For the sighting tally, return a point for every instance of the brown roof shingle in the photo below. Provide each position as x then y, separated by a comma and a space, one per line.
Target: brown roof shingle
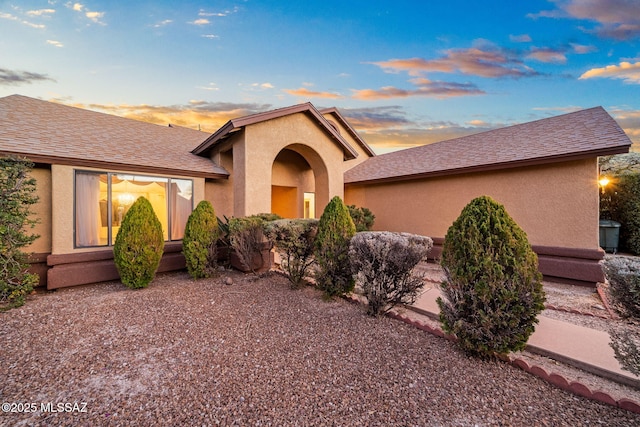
53, 133
582, 134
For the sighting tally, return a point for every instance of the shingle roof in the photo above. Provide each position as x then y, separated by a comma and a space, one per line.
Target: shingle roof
306, 108
582, 134
53, 133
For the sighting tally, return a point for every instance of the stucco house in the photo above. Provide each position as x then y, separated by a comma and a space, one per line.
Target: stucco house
90, 167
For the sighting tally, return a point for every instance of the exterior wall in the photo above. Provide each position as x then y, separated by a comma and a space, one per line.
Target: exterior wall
42, 211
220, 191
291, 177
556, 205
254, 156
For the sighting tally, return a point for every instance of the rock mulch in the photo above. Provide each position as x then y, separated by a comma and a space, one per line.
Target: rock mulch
185, 352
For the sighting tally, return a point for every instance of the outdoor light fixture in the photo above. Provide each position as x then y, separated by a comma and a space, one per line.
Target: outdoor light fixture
603, 182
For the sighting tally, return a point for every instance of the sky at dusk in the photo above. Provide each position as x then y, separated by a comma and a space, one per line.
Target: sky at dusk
404, 73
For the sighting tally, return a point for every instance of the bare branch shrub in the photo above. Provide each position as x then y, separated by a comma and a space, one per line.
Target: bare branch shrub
384, 263
626, 345
294, 241
623, 274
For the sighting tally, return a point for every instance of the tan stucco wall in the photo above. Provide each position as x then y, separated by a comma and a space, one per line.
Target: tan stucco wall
255, 152
41, 212
219, 192
556, 205
62, 215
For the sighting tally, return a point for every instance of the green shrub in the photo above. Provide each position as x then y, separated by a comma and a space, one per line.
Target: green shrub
624, 200
139, 245
493, 290
294, 241
363, 218
623, 274
335, 231
383, 263
199, 244
16, 198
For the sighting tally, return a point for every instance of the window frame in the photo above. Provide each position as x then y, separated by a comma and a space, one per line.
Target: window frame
110, 237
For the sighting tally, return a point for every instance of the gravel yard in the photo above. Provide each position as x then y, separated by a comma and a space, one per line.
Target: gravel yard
255, 353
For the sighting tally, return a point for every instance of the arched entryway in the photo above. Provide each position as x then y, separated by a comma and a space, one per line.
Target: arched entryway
299, 183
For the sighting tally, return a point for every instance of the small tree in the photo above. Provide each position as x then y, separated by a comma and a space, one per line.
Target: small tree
17, 190
363, 218
493, 290
294, 241
335, 230
383, 263
139, 245
199, 244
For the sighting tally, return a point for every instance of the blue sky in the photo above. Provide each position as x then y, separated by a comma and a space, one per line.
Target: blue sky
404, 73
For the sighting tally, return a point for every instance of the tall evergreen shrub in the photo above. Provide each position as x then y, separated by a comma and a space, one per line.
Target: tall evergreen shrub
17, 197
335, 231
139, 245
199, 243
493, 292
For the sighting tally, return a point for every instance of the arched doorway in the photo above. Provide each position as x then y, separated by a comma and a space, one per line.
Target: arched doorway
298, 182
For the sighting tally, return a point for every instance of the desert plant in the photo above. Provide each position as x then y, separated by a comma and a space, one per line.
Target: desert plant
335, 231
623, 275
294, 241
626, 346
383, 263
363, 218
139, 245
493, 290
17, 190
246, 236
199, 243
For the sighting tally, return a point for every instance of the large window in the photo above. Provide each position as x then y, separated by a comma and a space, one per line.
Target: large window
102, 200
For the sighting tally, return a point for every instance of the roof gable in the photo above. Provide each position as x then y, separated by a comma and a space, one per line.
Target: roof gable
582, 134
48, 132
307, 108
333, 111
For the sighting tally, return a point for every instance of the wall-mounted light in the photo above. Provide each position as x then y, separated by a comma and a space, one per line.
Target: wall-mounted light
603, 182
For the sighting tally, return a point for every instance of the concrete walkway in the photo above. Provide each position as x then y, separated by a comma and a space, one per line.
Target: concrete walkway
579, 346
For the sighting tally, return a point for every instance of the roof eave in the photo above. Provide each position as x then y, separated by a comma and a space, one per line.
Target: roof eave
350, 129
97, 164
496, 166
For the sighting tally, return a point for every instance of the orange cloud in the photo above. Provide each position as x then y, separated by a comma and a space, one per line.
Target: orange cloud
306, 93
207, 116
626, 71
629, 121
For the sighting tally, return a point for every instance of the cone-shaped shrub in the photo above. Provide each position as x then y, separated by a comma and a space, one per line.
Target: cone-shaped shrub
139, 245
335, 231
199, 242
493, 290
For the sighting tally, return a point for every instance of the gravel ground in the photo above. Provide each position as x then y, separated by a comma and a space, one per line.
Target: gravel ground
255, 353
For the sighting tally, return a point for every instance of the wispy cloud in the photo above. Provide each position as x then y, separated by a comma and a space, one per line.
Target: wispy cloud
162, 23
626, 71
489, 62
210, 36
425, 87
629, 121
208, 116
200, 21
203, 12
306, 93
41, 12
11, 17
522, 38
617, 19
15, 78
582, 49
548, 54
93, 16
55, 43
